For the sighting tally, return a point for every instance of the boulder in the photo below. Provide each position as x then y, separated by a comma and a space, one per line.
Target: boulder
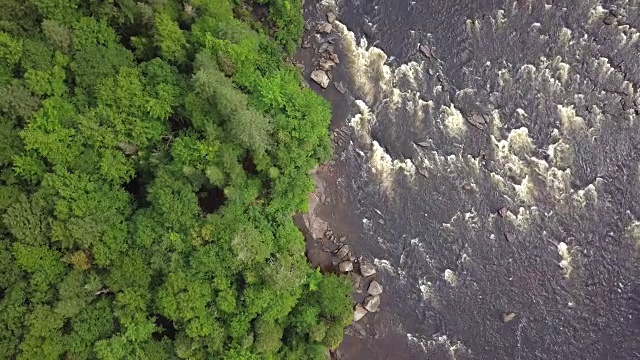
343, 252
367, 269
321, 78
508, 316
340, 87
346, 266
326, 64
425, 50
477, 121
375, 288
324, 28
331, 17
503, 212
356, 281
372, 303
359, 312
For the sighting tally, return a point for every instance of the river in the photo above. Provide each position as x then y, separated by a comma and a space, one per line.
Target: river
535, 211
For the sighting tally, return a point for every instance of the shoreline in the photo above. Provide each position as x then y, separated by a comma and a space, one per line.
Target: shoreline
331, 220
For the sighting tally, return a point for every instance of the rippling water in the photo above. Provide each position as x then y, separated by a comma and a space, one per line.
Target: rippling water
558, 88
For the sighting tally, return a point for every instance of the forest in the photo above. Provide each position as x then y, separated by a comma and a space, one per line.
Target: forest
152, 154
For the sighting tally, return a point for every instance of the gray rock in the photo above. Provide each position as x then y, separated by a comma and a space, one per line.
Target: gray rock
343, 252
508, 316
326, 64
503, 212
334, 58
375, 288
367, 269
372, 303
323, 47
359, 312
324, 28
477, 121
346, 266
321, 78
356, 281
425, 50
331, 17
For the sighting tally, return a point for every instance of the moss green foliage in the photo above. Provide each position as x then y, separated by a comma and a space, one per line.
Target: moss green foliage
151, 156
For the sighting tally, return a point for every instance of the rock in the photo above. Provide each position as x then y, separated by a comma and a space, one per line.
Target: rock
375, 288
467, 186
346, 266
477, 120
503, 212
609, 19
321, 78
356, 281
324, 28
367, 269
359, 312
372, 303
507, 316
425, 50
326, 64
305, 45
323, 48
340, 87
343, 252
508, 236
334, 58
331, 17
431, 72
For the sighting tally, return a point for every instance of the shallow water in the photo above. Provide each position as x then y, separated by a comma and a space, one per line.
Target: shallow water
560, 151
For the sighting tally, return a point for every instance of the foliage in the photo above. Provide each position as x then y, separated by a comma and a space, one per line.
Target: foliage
151, 156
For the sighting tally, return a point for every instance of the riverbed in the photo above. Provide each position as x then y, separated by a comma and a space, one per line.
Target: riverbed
491, 168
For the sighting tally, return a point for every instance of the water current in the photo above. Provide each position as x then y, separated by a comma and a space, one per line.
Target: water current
553, 89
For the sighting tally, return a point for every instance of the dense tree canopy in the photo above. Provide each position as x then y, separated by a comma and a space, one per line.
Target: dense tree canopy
151, 156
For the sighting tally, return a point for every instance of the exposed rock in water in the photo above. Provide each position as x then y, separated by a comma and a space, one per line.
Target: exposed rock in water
326, 64
343, 252
477, 121
359, 312
346, 266
331, 17
372, 303
334, 57
321, 78
503, 212
326, 47
356, 281
367, 269
324, 28
507, 316
425, 50
375, 288
340, 87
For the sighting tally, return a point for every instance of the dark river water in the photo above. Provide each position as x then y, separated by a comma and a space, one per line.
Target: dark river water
556, 84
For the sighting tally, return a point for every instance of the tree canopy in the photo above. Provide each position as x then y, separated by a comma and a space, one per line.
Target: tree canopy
152, 154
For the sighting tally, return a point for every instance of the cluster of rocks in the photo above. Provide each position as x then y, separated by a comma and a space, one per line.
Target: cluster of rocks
327, 58
361, 273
